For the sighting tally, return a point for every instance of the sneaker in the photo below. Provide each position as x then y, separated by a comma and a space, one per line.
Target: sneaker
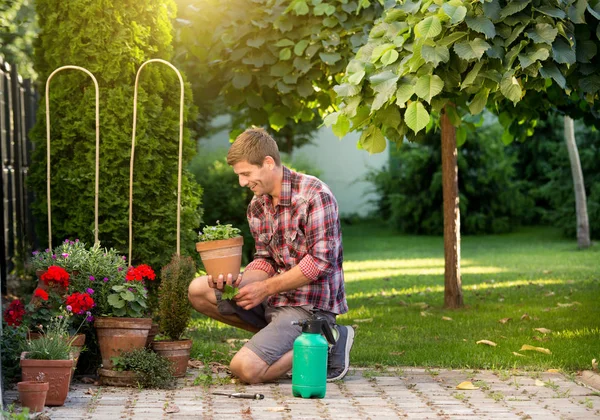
339, 354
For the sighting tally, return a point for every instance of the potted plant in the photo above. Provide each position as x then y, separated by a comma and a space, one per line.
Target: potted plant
142, 368
174, 311
220, 248
69, 255
50, 355
32, 394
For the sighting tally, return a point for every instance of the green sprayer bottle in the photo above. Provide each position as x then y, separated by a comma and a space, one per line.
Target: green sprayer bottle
309, 366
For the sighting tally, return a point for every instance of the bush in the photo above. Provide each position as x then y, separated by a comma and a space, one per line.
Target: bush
13, 341
174, 306
410, 189
111, 40
153, 370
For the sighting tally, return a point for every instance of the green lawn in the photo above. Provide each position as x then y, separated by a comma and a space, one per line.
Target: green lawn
395, 289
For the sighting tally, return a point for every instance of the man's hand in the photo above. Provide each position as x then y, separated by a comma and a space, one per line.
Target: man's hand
221, 281
252, 294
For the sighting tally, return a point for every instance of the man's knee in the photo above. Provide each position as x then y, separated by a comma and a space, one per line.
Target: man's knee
247, 366
199, 294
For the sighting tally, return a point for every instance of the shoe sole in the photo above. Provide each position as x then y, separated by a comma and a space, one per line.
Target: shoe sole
349, 342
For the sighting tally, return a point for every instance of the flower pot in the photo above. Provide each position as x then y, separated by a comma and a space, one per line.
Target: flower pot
32, 394
178, 352
221, 257
76, 347
56, 372
110, 377
154, 330
116, 335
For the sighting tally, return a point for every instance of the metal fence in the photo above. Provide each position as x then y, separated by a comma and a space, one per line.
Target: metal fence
18, 104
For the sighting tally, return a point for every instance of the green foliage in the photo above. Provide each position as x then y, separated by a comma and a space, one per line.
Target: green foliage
53, 344
218, 232
13, 342
174, 306
229, 292
70, 255
153, 370
18, 28
112, 39
128, 300
491, 199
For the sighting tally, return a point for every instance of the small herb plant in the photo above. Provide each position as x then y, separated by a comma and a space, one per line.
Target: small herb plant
173, 304
153, 371
218, 232
229, 292
54, 343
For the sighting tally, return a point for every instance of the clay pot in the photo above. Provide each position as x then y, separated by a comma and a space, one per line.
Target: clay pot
110, 377
32, 394
56, 372
178, 352
76, 346
116, 335
221, 257
151, 334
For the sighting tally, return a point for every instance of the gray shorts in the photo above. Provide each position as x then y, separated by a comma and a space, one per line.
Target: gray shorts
277, 334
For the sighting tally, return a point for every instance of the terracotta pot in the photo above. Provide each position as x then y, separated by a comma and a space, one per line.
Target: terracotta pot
76, 347
117, 378
116, 335
151, 334
221, 257
32, 394
178, 352
56, 372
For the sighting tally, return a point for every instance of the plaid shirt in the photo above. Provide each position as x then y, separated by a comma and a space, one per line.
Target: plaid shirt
303, 230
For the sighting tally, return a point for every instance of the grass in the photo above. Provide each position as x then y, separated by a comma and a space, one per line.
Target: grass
395, 291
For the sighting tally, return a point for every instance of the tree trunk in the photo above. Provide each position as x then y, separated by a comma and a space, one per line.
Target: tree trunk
453, 297
583, 226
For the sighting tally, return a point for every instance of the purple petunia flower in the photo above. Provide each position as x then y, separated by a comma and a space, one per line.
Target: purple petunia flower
76, 240
105, 279
120, 268
90, 291
89, 318
130, 289
92, 278
47, 249
53, 256
65, 255
35, 252
69, 308
124, 258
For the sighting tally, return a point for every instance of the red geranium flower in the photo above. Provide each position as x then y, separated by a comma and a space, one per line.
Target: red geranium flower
13, 315
139, 273
42, 294
56, 276
79, 302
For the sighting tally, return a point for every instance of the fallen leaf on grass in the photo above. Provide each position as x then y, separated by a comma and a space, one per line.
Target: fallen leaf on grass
247, 411
233, 342
537, 338
539, 383
553, 371
538, 349
399, 327
364, 320
279, 409
195, 364
425, 313
594, 365
171, 409
466, 385
446, 318
396, 353
90, 391
488, 342
421, 305
543, 330
567, 305
525, 316
504, 320
518, 354
549, 294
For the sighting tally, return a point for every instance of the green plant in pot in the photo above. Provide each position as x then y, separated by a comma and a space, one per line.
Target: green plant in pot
174, 311
220, 248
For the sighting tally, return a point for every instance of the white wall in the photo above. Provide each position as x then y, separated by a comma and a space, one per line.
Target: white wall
342, 165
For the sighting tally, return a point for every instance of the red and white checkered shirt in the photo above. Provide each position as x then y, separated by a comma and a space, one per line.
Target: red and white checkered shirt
303, 230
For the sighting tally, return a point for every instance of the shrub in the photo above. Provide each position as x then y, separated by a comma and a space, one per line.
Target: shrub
410, 188
174, 306
153, 370
112, 39
13, 341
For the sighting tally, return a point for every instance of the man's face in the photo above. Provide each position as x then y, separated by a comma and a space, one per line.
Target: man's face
257, 178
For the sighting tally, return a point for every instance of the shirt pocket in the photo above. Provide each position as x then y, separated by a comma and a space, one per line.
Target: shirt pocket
295, 244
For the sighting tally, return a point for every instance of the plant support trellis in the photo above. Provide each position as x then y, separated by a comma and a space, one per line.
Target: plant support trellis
179, 172
48, 150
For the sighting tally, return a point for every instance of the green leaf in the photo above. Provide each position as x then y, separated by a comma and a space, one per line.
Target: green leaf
300, 47
281, 69
576, 11
285, 54
416, 116
461, 135
552, 12
255, 42
241, 80
404, 93
562, 52
128, 296
429, 27
330, 58
454, 11
451, 39
513, 7
510, 87
372, 140
514, 35
491, 9
472, 75
428, 86
229, 292
479, 101
590, 84
331, 119
380, 50
550, 70
482, 25
389, 57
384, 84
594, 8
543, 33
305, 88
346, 89
586, 50
302, 64
341, 127
471, 50
453, 116
435, 54
356, 78
539, 54
507, 138
115, 301
301, 8
284, 43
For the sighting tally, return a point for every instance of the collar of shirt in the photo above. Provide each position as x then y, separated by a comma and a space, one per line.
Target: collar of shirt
285, 199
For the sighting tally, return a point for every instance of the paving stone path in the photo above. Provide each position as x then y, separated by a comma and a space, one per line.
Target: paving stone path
364, 394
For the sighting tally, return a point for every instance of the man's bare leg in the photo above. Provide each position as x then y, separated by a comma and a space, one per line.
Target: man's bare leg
203, 299
251, 369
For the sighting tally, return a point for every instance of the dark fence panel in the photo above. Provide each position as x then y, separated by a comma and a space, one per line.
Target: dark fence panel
18, 102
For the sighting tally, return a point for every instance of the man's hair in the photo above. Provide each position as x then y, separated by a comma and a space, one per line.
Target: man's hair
253, 146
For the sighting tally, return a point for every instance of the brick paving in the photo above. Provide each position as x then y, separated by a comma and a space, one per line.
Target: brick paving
364, 394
